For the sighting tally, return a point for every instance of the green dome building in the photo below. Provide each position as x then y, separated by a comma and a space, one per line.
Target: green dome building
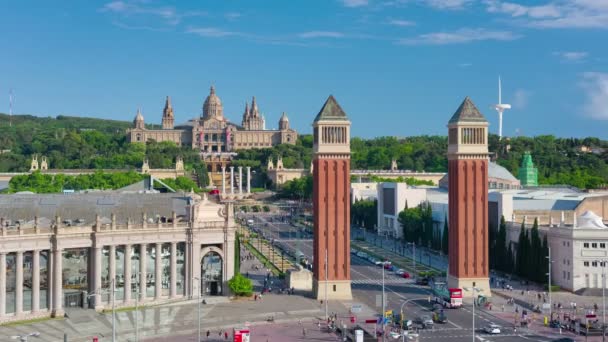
528, 174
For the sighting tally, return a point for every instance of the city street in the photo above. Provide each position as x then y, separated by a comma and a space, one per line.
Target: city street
367, 289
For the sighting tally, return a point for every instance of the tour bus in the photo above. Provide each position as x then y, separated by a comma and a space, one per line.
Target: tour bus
448, 297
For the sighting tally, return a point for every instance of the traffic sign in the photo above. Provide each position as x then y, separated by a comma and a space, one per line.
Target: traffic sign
355, 308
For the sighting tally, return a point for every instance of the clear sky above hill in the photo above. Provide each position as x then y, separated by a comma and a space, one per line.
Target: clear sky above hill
398, 67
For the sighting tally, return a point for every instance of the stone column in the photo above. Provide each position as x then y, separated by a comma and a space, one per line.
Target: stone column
173, 286
57, 287
232, 180
112, 270
142, 272
248, 179
35, 281
240, 180
2, 284
223, 180
158, 286
196, 268
127, 268
97, 277
19, 284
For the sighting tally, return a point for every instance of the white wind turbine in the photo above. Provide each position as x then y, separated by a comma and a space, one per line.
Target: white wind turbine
500, 108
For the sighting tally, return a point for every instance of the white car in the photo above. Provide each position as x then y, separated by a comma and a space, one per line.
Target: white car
400, 272
492, 329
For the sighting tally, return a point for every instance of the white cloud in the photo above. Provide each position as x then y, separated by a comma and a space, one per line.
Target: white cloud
520, 98
212, 32
463, 35
232, 15
555, 13
321, 34
465, 65
354, 3
571, 56
400, 22
131, 8
595, 85
447, 4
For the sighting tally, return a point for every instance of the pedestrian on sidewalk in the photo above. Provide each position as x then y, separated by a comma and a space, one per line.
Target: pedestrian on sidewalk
225, 335
208, 333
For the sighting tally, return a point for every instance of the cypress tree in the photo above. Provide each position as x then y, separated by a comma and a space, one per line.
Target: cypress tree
445, 237
501, 246
545, 260
521, 242
535, 255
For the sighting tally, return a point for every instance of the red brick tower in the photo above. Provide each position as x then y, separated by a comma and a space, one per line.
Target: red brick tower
331, 202
468, 199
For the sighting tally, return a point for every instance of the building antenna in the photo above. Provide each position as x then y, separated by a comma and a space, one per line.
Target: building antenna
500, 108
10, 107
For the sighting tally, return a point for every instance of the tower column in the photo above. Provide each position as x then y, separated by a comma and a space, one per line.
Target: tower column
97, 277
468, 200
331, 203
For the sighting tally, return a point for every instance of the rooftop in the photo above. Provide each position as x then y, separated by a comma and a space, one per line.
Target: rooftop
467, 112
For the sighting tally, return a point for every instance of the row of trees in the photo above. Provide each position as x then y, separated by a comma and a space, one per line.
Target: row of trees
364, 213
529, 261
38, 182
418, 226
299, 188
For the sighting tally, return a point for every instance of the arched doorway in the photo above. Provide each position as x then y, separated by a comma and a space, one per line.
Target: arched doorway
211, 271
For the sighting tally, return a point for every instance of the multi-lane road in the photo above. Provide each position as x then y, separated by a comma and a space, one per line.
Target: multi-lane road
367, 289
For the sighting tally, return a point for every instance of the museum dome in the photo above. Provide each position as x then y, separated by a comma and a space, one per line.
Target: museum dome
212, 108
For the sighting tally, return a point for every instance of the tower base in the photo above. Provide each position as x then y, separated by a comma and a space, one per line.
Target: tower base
483, 284
336, 289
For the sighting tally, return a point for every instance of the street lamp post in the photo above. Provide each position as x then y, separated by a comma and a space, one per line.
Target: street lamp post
112, 294
383, 304
474, 290
549, 282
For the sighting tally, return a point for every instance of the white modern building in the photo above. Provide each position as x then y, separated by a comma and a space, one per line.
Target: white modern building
392, 199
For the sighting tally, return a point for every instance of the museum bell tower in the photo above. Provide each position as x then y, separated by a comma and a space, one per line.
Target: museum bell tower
331, 203
468, 199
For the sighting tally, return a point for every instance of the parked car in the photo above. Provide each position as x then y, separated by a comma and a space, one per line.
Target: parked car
400, 272
387, 265
492, 329
406, 275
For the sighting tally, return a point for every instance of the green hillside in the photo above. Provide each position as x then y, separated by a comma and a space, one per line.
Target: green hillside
76, 142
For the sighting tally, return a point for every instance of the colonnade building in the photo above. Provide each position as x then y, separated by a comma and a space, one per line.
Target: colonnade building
64, 251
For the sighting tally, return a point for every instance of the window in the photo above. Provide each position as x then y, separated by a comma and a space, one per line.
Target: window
334, 288
594, 263
564, 243
568, 262
594, 245
586, 263
564, 261
564, 274
602, 245
568, 277
586, 245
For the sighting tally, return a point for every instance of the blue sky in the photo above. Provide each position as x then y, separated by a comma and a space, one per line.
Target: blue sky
397, 67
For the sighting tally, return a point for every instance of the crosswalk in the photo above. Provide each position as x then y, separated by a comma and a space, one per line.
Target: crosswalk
389, 281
